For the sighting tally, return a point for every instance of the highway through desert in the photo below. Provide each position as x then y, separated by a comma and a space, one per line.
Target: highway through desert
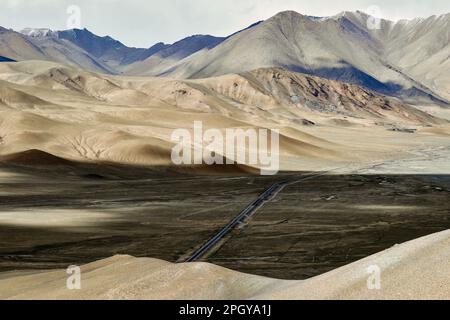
247, 214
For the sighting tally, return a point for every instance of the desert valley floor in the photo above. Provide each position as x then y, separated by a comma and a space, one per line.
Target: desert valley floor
86, 175
49, 219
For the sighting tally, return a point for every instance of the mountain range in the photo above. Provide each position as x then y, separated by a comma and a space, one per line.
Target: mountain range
408, 58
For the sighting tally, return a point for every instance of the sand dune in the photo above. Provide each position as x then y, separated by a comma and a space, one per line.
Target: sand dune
34, 157
85, 116
59, 116
16, 98
414, 270
333, 109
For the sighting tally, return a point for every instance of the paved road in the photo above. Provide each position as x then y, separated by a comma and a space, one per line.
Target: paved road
248, 212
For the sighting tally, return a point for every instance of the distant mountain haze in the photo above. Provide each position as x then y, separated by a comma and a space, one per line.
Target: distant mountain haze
408, 58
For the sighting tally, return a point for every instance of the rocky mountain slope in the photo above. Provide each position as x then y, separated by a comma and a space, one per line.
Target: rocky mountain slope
82, 48
45, 46
409, 59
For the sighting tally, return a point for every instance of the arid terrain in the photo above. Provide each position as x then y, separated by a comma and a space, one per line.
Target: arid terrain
87, 178
86, 171
83, 116
404, 269
50, 220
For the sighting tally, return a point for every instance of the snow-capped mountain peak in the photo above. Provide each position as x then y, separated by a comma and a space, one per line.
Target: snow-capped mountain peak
37, 32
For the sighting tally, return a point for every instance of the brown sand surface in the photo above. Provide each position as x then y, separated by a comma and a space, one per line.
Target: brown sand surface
54, 117
415, 270
84, 116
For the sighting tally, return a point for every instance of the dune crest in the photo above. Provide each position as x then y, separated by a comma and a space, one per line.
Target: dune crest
414, 270
89, 117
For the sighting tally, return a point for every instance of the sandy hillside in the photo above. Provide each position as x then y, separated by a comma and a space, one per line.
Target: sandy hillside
415, 270
84, 116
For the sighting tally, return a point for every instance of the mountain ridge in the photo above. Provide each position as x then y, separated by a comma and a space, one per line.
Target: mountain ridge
341, 47
407, 58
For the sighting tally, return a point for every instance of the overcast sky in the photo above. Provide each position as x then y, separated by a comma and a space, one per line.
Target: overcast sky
145, 22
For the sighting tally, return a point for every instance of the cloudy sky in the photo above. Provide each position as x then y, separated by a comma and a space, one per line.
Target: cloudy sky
145, 22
